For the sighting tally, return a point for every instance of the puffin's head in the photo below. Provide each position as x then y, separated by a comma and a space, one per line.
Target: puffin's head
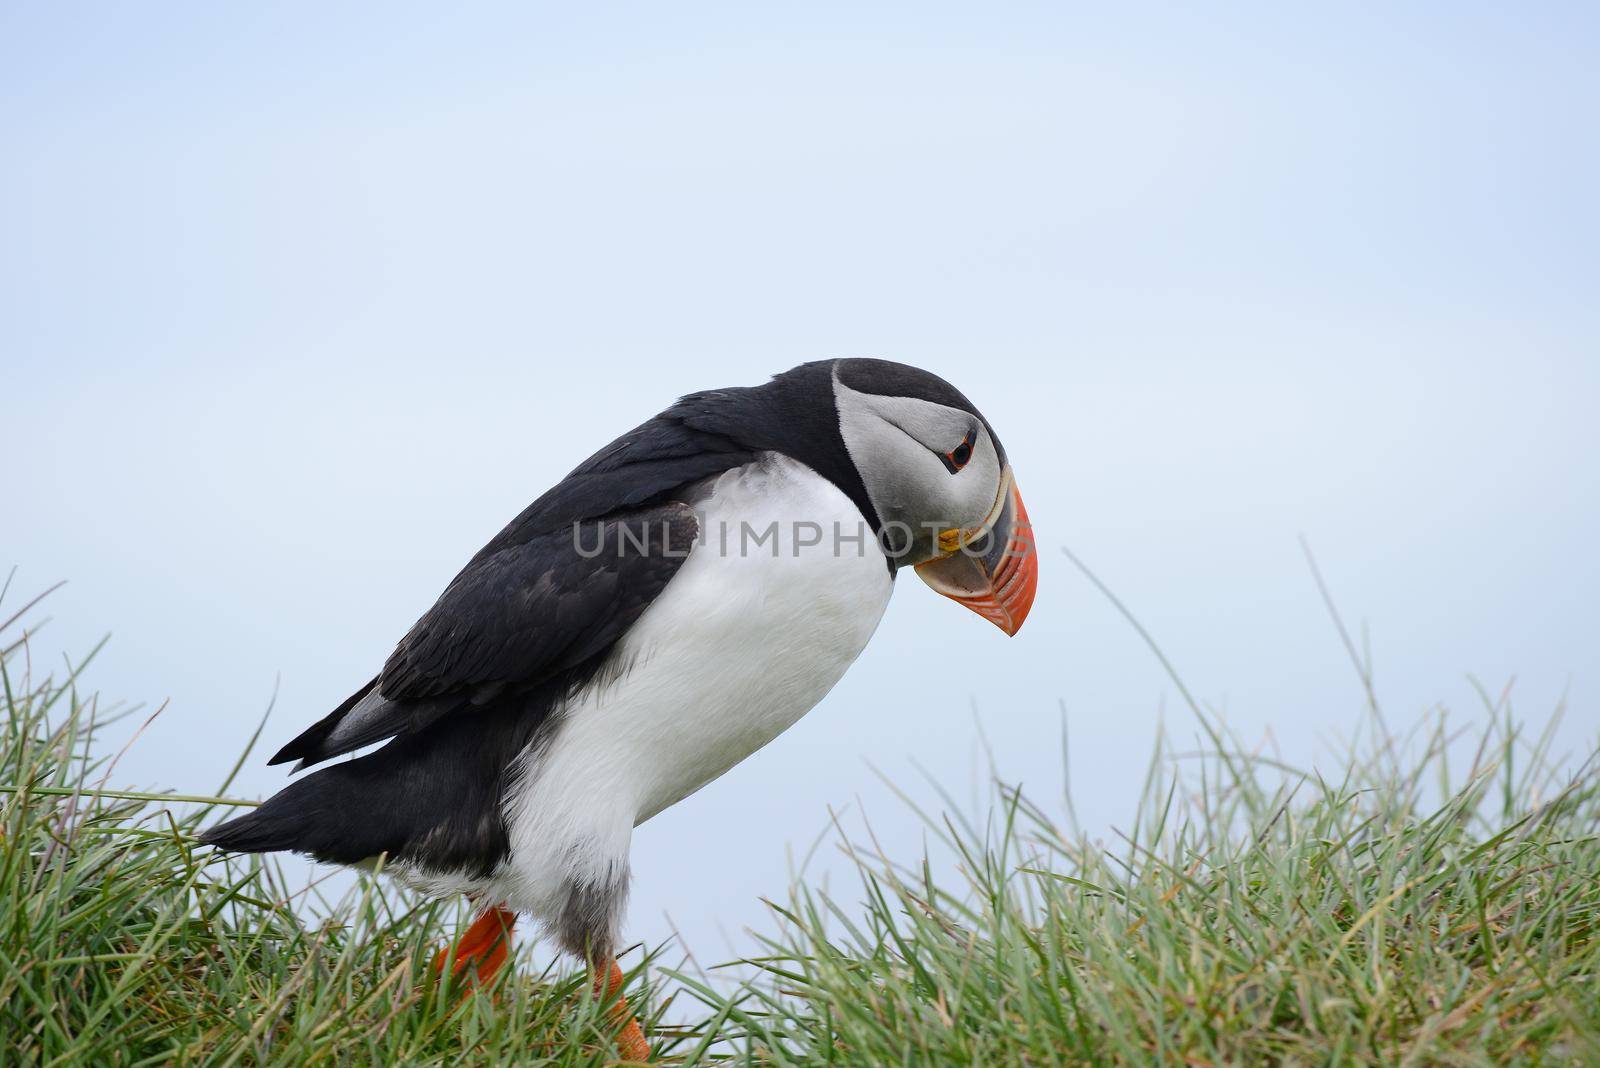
938, 478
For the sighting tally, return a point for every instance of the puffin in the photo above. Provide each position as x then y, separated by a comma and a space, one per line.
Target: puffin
671, 606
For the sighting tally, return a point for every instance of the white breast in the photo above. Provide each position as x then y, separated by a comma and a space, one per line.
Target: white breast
754, 630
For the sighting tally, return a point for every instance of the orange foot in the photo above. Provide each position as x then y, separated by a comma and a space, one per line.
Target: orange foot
630, 1037
483, 949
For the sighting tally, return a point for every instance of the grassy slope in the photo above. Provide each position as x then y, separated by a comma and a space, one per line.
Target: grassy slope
1255, 916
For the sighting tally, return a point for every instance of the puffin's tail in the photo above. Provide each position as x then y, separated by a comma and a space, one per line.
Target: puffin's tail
317, 815
431, 797
248, 834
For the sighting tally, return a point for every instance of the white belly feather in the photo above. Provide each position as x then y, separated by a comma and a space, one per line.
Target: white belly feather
742, 642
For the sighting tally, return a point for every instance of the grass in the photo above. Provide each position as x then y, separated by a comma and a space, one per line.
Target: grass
1410, 911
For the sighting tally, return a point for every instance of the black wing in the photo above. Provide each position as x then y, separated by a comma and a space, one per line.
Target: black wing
555, 589
511, 620
466, 691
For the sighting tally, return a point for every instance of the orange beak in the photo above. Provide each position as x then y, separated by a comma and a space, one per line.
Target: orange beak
994, 570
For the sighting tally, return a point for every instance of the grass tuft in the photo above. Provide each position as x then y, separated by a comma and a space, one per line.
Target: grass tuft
1256, 916
1437, 902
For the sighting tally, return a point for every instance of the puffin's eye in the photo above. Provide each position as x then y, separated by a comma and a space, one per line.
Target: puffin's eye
957, 457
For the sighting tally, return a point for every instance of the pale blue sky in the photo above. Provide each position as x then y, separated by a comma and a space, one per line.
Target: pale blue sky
298, 306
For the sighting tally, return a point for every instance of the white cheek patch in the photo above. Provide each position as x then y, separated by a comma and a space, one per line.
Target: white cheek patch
896, 445
933, 426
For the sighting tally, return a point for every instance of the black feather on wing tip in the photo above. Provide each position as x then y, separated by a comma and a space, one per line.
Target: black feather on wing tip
246, 834
306, 746
299, 749
303, 748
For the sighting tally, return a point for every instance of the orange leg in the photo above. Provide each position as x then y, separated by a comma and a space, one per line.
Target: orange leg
630, 1038
483, 948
